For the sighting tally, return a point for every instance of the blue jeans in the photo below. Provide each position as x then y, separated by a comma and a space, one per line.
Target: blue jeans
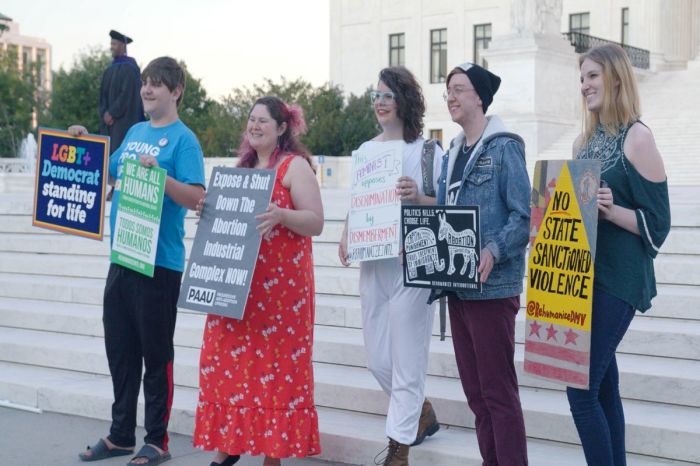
597, 412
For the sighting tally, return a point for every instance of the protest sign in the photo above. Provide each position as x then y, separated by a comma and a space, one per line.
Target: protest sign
70, 183
135, 235
375, 207
222, 261
563, 235
442, 245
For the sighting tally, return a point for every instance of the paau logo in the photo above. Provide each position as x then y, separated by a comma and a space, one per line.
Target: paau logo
203, 296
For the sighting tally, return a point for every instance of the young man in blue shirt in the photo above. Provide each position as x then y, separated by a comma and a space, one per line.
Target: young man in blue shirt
139, 311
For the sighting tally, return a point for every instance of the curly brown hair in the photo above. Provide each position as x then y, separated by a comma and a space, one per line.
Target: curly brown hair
410, 105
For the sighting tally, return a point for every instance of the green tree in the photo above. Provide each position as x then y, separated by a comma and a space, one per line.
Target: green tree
324, 119
334, 128
17, 102
359, 122
236, 105
75, 93
219, 138
203, 116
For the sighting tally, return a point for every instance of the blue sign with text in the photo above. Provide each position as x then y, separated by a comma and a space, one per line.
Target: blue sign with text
70, 186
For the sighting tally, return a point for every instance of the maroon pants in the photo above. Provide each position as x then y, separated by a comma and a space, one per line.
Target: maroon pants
483, 334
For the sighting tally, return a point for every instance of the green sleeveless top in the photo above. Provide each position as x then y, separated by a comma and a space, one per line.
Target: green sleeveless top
624, 261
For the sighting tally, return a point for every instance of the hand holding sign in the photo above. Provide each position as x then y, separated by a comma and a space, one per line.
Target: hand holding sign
148, 161
606, 203
77, 130
407, 188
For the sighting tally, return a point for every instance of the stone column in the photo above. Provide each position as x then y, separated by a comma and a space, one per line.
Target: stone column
539, 95
672, 30
676, 32
696, 30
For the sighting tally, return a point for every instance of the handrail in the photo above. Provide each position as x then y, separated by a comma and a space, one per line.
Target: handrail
583, 43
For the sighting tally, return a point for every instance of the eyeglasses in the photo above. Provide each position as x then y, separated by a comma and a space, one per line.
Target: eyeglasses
375, 96
455, 92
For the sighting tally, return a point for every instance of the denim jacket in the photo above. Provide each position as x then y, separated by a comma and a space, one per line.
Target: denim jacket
495, 179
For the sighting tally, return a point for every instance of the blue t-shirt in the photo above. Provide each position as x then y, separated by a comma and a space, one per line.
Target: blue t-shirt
177, 150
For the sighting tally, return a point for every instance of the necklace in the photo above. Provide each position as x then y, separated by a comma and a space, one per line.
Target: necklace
466, 148
604, 147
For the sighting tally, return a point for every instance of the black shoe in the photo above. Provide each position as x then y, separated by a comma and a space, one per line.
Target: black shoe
229, 461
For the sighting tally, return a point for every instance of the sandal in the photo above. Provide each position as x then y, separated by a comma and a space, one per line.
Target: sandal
100, 451
151, 454
229, 461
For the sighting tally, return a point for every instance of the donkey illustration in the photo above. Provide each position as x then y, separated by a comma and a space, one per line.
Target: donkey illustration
458, 242
421, 250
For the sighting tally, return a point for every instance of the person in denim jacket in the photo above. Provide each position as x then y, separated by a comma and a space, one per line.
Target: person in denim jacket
485, 166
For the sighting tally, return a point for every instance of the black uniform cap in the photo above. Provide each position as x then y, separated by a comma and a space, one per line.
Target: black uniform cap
116, 35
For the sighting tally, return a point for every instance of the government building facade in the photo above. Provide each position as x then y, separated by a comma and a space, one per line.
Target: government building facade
531, 44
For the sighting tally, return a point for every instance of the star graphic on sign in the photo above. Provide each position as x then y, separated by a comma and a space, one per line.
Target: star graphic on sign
551, 333
535, 329
87, 158
571, 337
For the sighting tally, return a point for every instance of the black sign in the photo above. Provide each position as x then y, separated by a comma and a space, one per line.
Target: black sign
442, 246
226, 245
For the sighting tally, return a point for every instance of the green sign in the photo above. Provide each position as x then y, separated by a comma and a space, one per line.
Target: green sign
135, 235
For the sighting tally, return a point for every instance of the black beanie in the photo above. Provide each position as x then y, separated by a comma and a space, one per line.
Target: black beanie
485, 82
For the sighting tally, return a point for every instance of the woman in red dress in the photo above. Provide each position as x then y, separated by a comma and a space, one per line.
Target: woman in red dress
255, 375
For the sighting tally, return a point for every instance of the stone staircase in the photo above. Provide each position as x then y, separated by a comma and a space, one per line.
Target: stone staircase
52, 350
670, 103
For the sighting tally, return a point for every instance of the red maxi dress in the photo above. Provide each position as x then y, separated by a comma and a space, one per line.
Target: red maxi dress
256, 381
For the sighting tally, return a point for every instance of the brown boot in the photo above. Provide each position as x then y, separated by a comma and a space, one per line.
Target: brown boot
397, 454
427, 424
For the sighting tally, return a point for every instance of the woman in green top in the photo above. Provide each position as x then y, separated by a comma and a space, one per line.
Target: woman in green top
634, 219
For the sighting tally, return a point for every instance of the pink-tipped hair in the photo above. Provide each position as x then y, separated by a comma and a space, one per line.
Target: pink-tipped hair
288, 142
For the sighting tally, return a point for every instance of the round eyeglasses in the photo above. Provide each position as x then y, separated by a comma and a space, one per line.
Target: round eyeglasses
376, 96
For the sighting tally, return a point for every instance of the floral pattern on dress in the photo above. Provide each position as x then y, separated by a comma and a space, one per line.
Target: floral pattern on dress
256, 391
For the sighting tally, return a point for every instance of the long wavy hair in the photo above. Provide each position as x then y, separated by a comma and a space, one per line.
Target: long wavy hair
287, 143
410, 105
620, 96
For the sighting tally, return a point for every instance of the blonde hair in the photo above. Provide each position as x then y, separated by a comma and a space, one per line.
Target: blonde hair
620, 98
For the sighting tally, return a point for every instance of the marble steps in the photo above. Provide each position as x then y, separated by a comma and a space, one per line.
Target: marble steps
60, 258
655, 427
643, 377
16, 208
79, 328
677, 274
673, 301
682, 244
62, 246
346, 436
678, 269
652, 336
21, 225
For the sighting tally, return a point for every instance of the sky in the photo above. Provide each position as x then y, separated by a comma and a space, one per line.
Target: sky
225, 43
